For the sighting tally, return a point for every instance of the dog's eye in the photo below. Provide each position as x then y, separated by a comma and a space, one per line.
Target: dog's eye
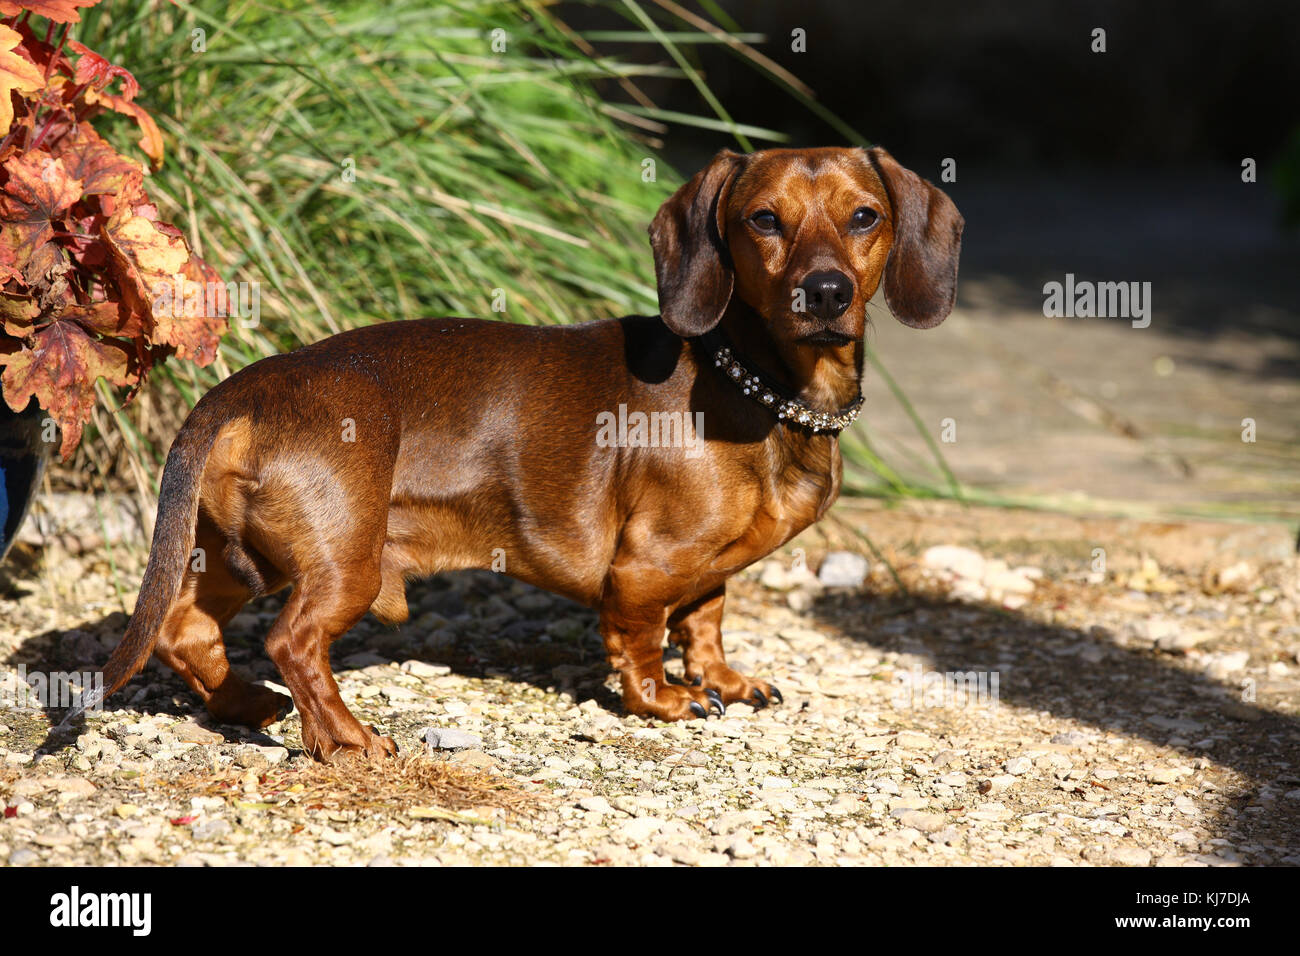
765, 221
864, 218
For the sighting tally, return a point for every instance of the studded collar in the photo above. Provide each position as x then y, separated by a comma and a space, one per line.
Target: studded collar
760, 387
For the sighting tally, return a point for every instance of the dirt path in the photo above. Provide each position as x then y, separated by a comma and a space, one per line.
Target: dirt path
1144, 715
1093, 409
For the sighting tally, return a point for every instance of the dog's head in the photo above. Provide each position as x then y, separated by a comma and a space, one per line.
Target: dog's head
804, 237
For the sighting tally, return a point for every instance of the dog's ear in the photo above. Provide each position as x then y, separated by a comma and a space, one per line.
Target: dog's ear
921, 274
692, 265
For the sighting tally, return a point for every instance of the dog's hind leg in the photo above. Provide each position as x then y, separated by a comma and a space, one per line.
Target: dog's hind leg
191, 644
321, 609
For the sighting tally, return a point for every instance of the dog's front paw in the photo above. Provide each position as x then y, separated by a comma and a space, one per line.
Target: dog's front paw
663, 701
735, 688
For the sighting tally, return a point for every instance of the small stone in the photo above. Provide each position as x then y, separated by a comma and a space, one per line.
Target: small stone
212, 830
474, 759
843, 569
334, 837
1236, 578
191, 733
1072, 738
920, 820
741, 849
639, 829
126, 810
23, 857
449, 738
1131, 856
955, 561
1018, 765
1001, 782
596, 805
1168, 774
424, 669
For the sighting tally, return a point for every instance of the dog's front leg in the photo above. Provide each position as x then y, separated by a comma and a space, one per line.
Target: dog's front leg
697, 629
634, 637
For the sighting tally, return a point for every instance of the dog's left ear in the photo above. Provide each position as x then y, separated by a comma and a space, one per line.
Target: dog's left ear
692, 266
921, 274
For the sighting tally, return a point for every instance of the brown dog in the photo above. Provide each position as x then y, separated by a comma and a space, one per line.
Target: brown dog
409, 448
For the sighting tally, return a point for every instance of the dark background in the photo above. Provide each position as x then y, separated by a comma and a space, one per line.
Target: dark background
1016, 84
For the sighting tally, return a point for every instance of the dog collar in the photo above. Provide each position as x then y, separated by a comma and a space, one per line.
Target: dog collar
790, 410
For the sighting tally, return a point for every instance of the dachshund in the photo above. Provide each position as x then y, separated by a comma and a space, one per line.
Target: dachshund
632, 464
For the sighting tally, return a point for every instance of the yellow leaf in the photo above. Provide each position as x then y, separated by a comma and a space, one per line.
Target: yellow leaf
16, 73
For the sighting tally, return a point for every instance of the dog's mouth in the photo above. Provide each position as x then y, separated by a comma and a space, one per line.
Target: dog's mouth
826, 337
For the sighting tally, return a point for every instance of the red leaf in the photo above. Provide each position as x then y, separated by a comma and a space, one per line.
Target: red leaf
11, 812
100, 168
183, 821
60, 369
38, 191
93, 69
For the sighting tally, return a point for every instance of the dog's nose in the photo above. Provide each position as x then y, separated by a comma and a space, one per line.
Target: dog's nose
827, 294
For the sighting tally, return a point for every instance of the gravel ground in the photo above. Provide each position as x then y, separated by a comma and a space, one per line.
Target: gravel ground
1141, 715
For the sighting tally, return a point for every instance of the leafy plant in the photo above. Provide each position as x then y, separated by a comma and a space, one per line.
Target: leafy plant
93, 284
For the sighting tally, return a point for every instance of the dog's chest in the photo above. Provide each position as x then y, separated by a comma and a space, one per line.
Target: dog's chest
781, 500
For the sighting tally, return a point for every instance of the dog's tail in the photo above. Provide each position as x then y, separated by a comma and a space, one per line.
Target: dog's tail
173, 539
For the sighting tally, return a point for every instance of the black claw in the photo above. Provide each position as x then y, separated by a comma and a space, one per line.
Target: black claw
697, 682
776, 696
715, 701
759, 698
698, 710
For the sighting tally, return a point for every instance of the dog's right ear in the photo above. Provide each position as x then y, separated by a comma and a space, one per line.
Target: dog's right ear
692, 266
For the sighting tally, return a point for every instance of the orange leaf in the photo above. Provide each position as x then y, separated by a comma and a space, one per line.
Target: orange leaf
60, 369
159, 278
60, 11
17, 313
16, 73
151, 140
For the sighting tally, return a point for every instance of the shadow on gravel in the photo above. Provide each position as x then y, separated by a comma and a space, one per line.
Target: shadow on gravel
485, 626
1088, 678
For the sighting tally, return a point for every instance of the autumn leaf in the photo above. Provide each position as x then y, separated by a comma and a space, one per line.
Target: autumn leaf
60, 369
151, 140
16, 73
100, 168
94, 70
17, 314
38, 192
60, 11
159, 277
